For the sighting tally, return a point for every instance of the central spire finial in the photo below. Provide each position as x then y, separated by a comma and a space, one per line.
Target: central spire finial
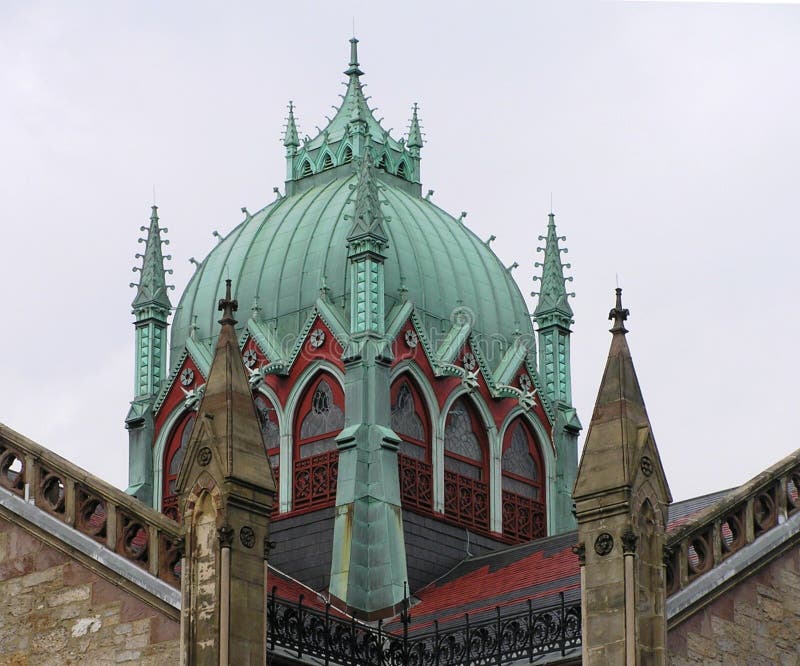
227, 306
353, 69
619, 315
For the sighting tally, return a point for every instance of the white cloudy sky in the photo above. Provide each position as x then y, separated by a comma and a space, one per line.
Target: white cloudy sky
667, 133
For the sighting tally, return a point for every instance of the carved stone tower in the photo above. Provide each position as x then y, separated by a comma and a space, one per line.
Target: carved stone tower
227, 490
621, 499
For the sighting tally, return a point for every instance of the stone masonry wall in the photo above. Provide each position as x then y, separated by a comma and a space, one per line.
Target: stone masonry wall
756, 622
55, 610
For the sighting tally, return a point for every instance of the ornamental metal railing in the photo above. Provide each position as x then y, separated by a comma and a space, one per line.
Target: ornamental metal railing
331, 638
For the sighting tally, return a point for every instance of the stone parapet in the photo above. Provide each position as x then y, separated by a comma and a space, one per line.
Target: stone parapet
91, 506
712, 536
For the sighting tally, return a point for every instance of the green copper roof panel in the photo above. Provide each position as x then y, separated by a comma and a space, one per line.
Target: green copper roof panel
281, 254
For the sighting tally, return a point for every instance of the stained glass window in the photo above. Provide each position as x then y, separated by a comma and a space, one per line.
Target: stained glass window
404, 416
521, 471
461, 442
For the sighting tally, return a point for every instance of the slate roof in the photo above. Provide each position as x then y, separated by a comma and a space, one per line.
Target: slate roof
538, 571
681, 512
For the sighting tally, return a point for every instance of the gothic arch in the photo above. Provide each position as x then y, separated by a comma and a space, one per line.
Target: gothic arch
318, 419
523, 483
466, 467
411, 421
178, 439
548, 453
287, 422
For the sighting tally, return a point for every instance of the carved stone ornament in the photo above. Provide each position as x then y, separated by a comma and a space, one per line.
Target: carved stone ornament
247, 536
411, 339
469, 361
187, 377
647, 466
268, 546
225, 536
604, 544
629, 540
250, 357
204, 456
580, 550
525, 382
317, 338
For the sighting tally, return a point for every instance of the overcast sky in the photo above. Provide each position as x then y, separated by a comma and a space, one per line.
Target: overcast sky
667, 134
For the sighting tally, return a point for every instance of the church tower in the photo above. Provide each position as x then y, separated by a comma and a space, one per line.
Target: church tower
151, 308
621, 500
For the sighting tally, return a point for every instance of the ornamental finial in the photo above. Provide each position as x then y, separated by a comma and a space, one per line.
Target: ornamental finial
227, 306
619, 315
353, 69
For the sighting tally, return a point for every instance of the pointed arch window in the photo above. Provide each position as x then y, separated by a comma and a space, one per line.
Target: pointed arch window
401, 170
327, 162
319, 419
384, 162
410, 421
466, 488
173, 458
524, 516
306, 169
347, 157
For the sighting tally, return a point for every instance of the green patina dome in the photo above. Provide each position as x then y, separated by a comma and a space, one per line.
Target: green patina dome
282, 257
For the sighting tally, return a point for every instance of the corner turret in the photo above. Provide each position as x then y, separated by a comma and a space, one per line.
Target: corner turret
151, 308
553, 316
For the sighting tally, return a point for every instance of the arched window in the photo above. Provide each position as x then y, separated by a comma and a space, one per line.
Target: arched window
179, 439
348, 155
523, 485
410, 422
306, 169
383, 162
320, 418
401, 170
466, 487
327, 161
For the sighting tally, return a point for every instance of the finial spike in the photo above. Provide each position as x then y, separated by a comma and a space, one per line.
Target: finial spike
227, 306
618, 314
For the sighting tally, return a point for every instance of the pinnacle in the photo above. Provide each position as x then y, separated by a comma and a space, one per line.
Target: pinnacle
553, 296
414, 132
152, 287
368, 218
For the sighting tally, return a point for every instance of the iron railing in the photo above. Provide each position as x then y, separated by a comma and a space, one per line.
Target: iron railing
329, 637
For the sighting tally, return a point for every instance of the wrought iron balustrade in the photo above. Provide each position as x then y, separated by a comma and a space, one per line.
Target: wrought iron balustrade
528, 634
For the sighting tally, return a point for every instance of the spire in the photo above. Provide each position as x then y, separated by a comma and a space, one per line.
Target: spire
227, 405
152, 287
621, 504
553, 297
414, 132
290, 138
368, 218
614, 443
